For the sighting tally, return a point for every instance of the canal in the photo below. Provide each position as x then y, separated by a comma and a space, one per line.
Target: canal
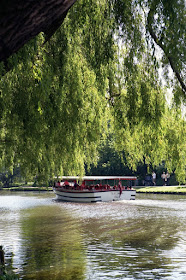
45, 239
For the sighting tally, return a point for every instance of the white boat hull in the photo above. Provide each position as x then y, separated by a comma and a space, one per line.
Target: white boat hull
94, 196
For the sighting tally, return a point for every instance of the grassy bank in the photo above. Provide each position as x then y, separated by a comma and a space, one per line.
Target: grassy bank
28, 188
162, 189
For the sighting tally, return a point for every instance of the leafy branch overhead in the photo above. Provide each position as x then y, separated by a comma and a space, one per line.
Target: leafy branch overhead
68, 86
21, 21
166, 24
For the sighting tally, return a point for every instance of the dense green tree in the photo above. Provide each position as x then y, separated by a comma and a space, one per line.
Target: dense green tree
99, 67
109, 161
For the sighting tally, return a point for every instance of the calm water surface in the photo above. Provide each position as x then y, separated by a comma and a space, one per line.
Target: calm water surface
45, 239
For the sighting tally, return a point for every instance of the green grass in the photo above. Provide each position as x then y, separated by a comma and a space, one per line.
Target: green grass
163, 189
29, 188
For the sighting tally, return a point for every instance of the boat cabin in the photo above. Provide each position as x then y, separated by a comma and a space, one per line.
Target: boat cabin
96, 183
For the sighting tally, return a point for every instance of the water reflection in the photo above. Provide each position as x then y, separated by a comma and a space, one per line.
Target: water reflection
52, 245
141, 239
132, 248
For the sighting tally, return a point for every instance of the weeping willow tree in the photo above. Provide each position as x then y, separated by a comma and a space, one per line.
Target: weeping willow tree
146, 129
100, 67
53, 100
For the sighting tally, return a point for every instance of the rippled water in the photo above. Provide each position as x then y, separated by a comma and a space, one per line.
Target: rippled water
47, 239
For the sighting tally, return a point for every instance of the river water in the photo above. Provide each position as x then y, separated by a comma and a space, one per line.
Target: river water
45, 239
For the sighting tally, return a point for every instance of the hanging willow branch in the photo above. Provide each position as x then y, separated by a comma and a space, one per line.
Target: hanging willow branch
170, 59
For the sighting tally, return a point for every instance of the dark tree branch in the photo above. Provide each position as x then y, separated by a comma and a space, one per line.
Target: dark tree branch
171, 62
22, 20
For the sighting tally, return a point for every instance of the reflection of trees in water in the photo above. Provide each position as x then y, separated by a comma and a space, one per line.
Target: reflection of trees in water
135, 246
52, 245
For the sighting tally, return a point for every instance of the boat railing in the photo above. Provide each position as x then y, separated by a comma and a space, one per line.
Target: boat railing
97, 187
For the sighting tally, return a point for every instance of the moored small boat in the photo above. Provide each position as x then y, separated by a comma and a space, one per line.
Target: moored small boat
95, 188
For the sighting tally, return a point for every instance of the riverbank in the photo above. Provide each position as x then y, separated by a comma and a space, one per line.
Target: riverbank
162, 189
139, 189
28, 188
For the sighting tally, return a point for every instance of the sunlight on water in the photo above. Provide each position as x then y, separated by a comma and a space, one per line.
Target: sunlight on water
47, 239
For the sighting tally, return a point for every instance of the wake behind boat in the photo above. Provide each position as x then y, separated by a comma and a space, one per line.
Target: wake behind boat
95, 188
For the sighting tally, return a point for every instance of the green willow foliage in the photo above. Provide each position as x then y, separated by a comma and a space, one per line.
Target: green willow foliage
99, 68
53, 99
161, 23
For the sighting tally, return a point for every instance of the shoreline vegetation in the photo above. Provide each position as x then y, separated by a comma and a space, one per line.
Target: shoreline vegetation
180, 189
162, 189
28, 188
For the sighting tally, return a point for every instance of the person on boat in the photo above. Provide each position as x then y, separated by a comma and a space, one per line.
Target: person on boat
108, 187
120, 187
66, 183
75, 184
104, 187
83, 185
120, 184
97, 187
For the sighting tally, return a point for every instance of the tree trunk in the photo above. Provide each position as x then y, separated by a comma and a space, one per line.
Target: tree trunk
22, 20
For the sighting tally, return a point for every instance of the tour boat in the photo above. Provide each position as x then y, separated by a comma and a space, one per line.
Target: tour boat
95, 188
